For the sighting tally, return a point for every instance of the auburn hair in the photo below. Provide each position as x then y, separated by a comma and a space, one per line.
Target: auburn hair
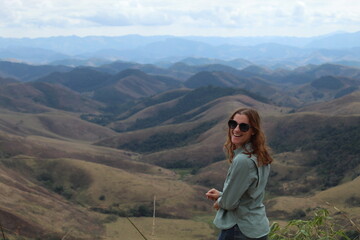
258, 140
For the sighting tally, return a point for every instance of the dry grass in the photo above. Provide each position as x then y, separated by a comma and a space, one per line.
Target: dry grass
50, 213
339, 194
212, 176
165, 229
43, 147
31, 210
124, 190
53, 124
335, 199
347, 105
345, 197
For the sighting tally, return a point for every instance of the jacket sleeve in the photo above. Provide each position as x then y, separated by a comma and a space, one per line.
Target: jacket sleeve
241, 176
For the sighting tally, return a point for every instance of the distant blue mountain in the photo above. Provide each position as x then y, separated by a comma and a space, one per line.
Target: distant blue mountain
26, 72
30, 54
270, 51
74, 45
337, 41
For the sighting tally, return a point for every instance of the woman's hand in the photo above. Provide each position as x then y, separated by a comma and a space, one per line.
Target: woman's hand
216, 205
213, 194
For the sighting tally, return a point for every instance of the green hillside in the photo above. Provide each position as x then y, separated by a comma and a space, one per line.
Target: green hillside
334, 139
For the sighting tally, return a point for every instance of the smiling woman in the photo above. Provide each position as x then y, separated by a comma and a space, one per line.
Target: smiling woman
240, 211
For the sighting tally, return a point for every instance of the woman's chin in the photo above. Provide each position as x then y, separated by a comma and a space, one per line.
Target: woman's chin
237, 143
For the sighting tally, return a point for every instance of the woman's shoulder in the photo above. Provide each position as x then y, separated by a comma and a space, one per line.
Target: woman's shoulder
243, 158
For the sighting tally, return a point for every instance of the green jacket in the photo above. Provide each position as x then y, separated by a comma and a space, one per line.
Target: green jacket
241, 199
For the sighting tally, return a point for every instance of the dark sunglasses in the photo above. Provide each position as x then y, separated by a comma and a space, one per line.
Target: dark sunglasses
244, 127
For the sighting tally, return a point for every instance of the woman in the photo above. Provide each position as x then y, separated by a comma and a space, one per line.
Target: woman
240, 211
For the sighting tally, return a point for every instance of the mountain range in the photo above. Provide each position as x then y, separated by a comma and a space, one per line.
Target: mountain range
84, 148
274, 52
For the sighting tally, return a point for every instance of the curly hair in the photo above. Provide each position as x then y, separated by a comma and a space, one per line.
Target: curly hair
258, 140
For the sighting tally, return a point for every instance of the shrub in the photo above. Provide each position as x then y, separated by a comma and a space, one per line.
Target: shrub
320, 227
141, 211
298, 214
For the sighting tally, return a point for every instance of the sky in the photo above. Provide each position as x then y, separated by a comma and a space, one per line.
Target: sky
304, 18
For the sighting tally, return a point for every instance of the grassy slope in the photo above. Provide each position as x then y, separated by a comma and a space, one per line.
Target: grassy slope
208, 146
123, 190
41, 97
347, 105
42, 147
175, 229
340, 195
53, 124
335, 199
37, 212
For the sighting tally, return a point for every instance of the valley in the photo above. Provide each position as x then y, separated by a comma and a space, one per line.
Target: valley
85, 148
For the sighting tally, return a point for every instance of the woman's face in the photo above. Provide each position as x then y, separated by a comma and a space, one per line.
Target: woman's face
239, 137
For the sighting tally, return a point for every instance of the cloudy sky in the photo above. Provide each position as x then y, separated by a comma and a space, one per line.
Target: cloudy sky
43, 18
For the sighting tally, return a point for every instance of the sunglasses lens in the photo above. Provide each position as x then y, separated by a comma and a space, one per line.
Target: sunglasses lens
244, 127
232, 124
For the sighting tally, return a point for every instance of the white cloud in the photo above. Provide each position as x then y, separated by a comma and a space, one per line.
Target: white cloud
231, 17
299, 12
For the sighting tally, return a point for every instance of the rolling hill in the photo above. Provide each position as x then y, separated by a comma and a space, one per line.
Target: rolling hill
132, 84
119, 66
120, 81
126, 85
224, 79
4, 81
309, 73
41, 187
341, 201
52, 124
186, 133
346, 105
323, 89
79, 79
84, 149
64, 170
32, 211
40, 96
236, 63
26, 72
